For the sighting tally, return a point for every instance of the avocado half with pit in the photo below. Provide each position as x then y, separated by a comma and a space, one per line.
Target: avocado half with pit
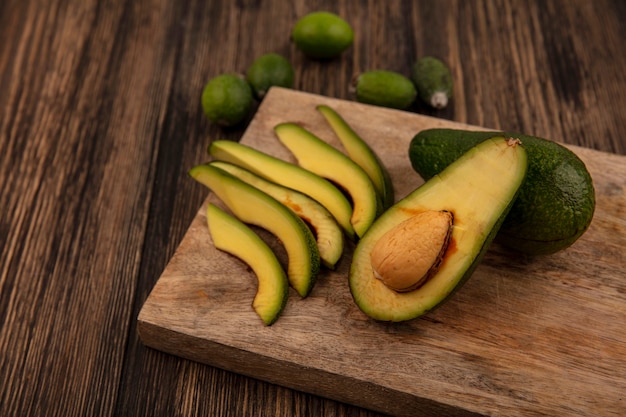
556, 204
428, 244
232, 236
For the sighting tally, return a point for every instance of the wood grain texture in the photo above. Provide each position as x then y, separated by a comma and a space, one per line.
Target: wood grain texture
528, 337
100, 120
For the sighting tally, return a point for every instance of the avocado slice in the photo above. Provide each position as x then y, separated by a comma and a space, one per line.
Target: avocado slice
360, 152
289, 175
250, 205
317, 156
477, 191
328, 234
232, 236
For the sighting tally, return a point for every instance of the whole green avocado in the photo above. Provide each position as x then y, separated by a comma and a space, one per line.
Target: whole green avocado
555, 204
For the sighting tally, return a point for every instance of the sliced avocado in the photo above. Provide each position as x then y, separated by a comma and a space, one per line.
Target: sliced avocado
232, 236
361, 153
250, 205
476, 191
317, 156
289, 175
328, 234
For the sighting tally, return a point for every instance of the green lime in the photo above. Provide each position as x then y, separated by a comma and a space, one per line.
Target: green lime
227, 99
269, 70
322, 35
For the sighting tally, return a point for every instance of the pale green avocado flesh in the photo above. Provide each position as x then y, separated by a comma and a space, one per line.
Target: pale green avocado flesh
328, 234
232, 236
317, 156
362, 154
288, 175
478, 189
253, 206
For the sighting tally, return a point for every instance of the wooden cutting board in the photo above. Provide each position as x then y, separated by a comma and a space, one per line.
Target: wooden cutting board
523, 337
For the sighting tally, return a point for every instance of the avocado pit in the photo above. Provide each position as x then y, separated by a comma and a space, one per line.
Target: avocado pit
409, 254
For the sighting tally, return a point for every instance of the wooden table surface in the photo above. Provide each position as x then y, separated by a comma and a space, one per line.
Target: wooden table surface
100, 120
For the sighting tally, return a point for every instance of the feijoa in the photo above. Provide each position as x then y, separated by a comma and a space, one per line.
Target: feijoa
384, 88
227, 99
322, 35
433, 81
267, 71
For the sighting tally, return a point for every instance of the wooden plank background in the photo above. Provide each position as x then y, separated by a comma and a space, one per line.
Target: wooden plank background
100, 120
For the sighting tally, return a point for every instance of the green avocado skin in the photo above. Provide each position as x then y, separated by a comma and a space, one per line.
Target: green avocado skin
555, 204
